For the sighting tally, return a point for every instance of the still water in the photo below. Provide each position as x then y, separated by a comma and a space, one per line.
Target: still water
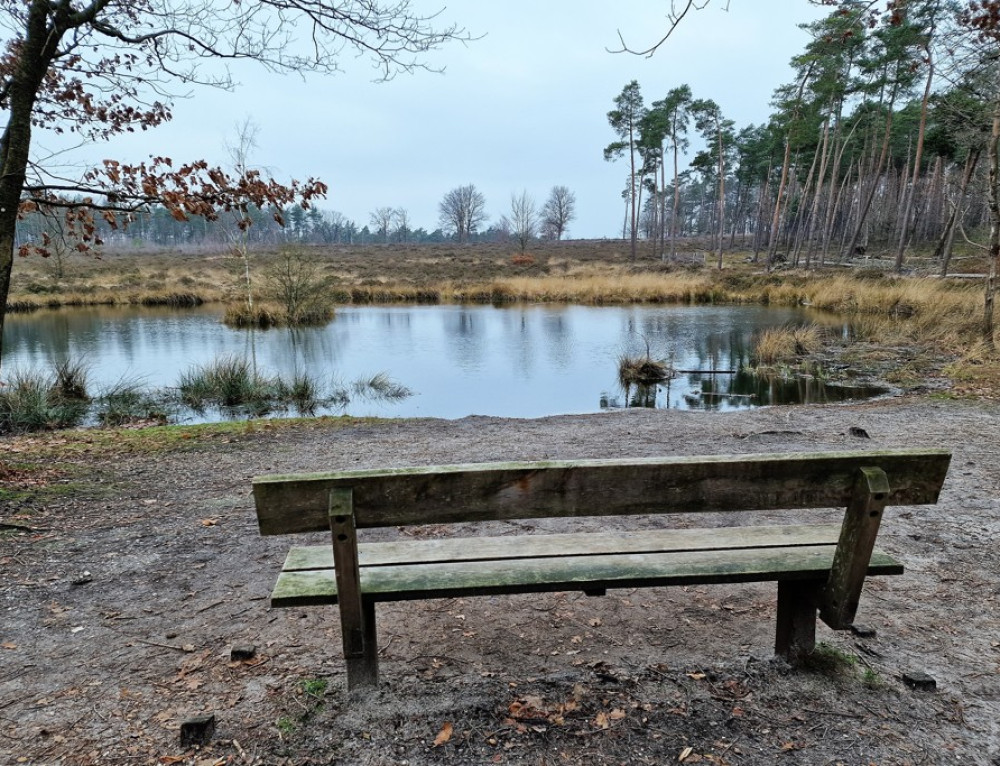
523, 361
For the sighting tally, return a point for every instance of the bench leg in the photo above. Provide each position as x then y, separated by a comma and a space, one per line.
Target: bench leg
362, 667
798, 601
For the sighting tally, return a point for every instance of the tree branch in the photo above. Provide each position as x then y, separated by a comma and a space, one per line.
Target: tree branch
674, 18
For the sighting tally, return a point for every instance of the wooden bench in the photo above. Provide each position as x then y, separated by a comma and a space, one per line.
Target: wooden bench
818, 567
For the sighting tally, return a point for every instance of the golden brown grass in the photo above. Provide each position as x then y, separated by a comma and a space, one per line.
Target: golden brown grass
881, 308
784, 344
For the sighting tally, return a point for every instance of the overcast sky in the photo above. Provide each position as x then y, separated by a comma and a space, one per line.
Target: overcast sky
525, 107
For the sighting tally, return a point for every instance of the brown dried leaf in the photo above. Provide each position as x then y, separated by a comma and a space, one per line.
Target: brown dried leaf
444, 735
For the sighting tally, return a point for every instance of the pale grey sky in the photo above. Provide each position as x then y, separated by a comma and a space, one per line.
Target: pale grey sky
522, 108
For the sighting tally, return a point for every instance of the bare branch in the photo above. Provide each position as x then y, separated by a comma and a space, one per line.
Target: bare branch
674, 18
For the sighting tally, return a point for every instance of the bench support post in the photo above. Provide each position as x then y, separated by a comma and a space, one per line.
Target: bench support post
854, 550
357, 613
795, 636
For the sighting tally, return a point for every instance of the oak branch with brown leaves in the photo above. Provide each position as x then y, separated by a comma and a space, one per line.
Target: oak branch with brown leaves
96, 69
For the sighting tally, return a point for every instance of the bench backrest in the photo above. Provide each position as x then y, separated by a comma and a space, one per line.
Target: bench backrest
497, 491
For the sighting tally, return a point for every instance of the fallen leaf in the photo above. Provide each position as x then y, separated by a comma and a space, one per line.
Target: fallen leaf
601, 721
685, 754
617, 714
444, 735
9, 645
209, 522
696, 676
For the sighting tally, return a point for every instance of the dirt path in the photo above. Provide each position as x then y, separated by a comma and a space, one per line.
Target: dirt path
122, 601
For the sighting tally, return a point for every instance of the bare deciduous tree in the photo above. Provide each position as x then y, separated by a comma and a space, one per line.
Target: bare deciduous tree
523, 219
558, 211
401, 222
381, 220
462, 211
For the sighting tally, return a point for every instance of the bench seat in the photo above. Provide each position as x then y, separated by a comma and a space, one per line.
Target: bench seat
591, 562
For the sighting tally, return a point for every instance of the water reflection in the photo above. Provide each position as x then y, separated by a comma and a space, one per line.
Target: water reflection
522, 361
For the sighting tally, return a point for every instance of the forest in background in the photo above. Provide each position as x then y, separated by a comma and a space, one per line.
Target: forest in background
877, 144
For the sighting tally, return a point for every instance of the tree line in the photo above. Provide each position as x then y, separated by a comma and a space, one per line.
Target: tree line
878, 142
462, 218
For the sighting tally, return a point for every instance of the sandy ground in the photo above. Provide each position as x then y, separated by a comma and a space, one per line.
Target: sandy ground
123, 598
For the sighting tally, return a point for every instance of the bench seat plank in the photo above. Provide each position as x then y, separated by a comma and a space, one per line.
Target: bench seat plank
580, 543
397, 582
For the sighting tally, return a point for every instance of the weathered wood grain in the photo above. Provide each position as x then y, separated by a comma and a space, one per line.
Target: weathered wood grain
357, 612
444, 494
536, 575
862, 518
795, 632
577, 544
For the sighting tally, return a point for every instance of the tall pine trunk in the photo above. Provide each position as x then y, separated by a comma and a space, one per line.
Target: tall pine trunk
948, 238
904, 224
994, 242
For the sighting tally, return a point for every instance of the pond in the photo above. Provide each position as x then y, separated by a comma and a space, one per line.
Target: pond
523, 361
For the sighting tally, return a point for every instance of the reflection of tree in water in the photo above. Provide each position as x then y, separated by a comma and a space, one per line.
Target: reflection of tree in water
304, 349
559, 338
636, 395
45, 336
796, 389
465, 329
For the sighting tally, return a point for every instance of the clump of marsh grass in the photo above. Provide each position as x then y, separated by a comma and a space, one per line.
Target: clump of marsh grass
261, 317
129, 401
380, 387
640, 370
229, 381
303, 391
70, 380
30, 401
232, 382
781, 344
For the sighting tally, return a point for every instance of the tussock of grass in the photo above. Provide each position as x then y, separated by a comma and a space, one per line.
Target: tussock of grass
640, 370
180, 300
129, 401
229, 381
262, 317
782, 344
380, 387
70, 381
30, 401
